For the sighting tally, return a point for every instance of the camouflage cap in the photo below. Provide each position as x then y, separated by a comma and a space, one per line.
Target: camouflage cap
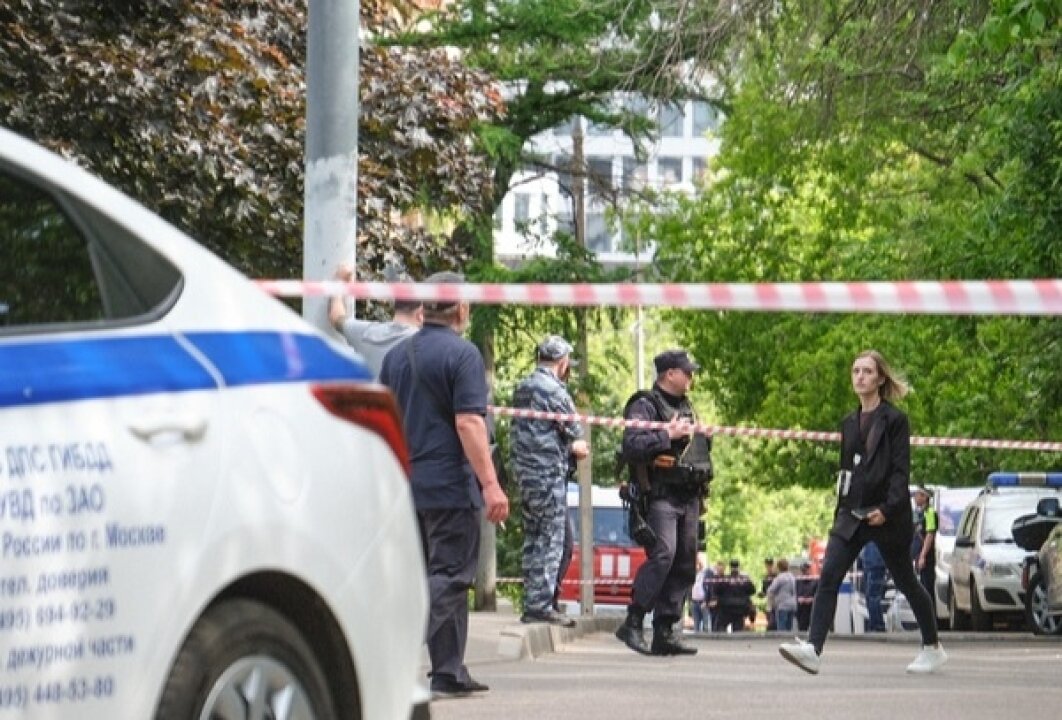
554, 347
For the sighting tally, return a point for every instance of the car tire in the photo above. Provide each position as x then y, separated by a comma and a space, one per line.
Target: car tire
959, 619
979, 619
1036, 617
232, 643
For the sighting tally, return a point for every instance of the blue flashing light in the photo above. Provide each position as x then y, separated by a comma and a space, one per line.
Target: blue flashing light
1025, 479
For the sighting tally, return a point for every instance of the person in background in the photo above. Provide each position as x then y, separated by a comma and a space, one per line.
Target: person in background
697, 595
926, 531
734, 593
440, 386
806, 584
769, 573
781, 596
373, 340
711, 592
873, 505
874, 581
540, 456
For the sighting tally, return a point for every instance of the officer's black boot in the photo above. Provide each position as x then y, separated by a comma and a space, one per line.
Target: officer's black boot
632, 634
665, 642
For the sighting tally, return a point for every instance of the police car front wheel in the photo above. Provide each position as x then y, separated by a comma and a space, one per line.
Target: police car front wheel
245, 660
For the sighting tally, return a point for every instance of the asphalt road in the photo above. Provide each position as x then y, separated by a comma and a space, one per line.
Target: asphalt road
597, 678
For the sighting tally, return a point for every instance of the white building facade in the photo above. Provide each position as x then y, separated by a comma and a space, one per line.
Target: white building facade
539, 202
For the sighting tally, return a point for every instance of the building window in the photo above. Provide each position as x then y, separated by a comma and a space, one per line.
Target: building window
699, 166
635, 174
565, 221
668, 171
600, 174
522, 209
704, 118
671, 120
598, 238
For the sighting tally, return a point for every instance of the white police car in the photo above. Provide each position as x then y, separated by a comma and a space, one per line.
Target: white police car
950, 502
986, 564
203, 505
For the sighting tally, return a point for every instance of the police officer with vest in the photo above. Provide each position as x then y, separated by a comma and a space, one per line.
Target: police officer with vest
673, 467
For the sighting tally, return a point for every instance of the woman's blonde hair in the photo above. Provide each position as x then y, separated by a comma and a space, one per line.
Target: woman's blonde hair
894, 387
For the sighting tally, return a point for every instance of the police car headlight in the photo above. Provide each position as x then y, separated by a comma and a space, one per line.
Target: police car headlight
1001, 570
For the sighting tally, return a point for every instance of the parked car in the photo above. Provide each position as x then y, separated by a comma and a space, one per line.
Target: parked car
204, 502
1050, 561
1037, 534
896, 610
617, 556
950, 502
986, 564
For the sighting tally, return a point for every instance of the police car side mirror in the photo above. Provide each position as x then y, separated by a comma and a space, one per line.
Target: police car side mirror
964, 542
1048, 507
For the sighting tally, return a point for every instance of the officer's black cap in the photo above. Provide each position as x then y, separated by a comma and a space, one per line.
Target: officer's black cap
670, 359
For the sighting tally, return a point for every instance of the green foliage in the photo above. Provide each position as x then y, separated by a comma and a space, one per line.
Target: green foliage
197, 109
874, 142
751, 517
566, 58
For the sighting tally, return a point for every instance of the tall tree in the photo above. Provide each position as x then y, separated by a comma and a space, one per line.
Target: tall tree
884, 141
197, 108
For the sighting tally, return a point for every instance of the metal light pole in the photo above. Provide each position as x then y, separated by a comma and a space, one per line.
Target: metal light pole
586, 507
330, 219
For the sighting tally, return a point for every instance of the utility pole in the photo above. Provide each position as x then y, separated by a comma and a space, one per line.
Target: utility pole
485, 585
639, 315
330, 215
586, 506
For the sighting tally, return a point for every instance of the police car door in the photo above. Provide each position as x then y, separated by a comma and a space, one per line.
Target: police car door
109, 449
963, 556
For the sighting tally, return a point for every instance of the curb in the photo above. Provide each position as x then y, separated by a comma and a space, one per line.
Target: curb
521, 641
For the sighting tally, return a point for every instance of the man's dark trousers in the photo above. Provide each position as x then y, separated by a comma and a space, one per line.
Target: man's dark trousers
450, 540
665, 578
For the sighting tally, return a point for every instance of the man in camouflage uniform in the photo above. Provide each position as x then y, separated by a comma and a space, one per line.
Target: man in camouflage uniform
540, 451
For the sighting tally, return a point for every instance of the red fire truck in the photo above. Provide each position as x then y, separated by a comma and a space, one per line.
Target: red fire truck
616, 556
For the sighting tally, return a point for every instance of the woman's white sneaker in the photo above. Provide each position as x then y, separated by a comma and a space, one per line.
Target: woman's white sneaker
930, 659
802, 654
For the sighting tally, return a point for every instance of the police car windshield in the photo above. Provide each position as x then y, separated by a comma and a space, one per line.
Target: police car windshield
996, 528
952, 505
610, 527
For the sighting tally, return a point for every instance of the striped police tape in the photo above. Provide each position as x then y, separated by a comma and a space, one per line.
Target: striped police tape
725, 580
956, 297
819, 436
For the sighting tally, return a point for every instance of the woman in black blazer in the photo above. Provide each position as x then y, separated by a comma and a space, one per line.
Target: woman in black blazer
873, 504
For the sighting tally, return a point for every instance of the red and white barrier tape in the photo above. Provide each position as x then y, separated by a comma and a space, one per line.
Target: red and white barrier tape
813, 435
725, 580
958, 297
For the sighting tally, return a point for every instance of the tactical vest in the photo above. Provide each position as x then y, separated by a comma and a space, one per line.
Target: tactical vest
691, 456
